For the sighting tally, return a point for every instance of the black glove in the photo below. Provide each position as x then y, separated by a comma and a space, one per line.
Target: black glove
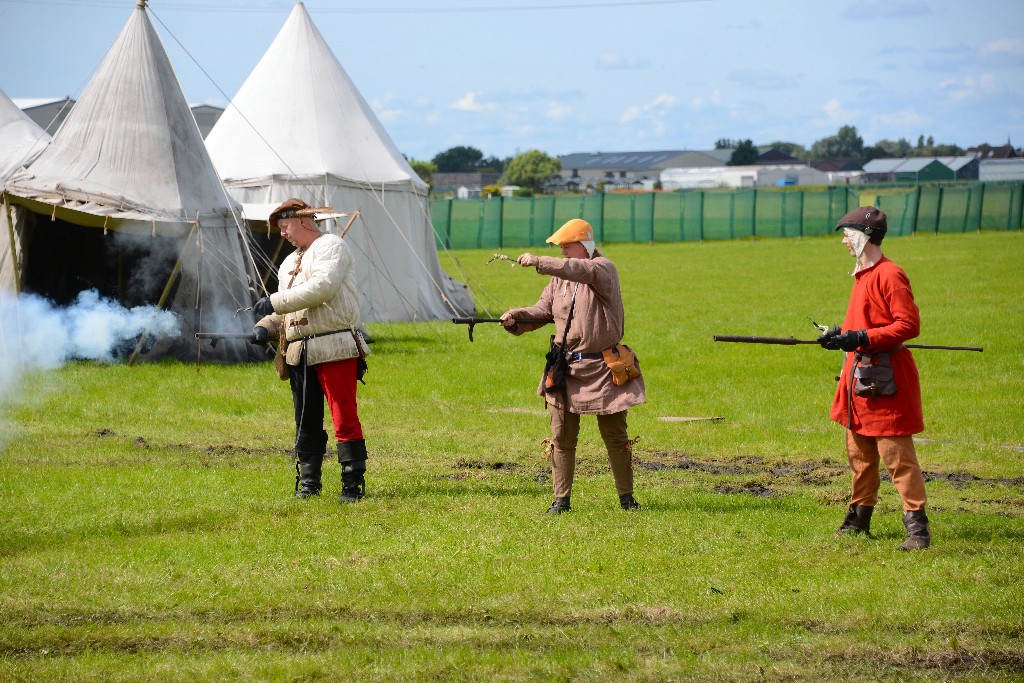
263, 307
260, 335
828, 340
848, 341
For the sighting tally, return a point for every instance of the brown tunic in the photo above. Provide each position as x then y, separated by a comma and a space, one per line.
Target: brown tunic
598, 323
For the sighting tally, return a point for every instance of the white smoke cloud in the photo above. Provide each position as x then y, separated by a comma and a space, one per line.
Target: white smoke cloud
37, 335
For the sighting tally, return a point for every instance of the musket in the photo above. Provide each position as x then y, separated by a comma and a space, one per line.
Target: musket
476, 321
790, 341
214, 337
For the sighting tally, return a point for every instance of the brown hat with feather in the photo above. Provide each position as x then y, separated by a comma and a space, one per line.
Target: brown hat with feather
295, 207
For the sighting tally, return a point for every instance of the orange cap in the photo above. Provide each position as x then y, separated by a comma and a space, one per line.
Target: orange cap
574, 230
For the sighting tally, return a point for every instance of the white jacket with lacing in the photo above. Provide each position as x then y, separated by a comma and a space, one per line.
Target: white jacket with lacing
317, 295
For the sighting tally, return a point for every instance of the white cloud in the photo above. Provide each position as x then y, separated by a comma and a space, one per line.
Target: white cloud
836, 113
652, 114
868, 10
614, 60
1004, 50
969, 88
386, 110
714, 100
899, 120
468, 102
558, 111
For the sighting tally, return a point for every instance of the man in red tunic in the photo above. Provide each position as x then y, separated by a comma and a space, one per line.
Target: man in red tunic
879, 395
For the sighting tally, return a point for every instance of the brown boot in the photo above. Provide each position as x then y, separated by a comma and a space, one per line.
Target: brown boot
857, 521
919, 536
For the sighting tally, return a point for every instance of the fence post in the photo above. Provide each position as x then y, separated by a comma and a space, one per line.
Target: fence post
938, 210
654, 213
632, 217
700, 216
732, 215
448, 225
800, 213
753, 215
480, 223
682, 215
917, 209
981, 203
1019, 208
533, 208
782, 214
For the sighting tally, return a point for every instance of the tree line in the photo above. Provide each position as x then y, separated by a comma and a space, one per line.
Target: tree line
531, 169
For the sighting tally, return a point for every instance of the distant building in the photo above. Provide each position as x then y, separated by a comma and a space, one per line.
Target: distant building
473, 183
49, 114
1001, 169
921, 169
206, 115
629, 170
757, 175
989, 152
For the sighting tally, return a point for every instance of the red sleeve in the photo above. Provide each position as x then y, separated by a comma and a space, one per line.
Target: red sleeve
905, 317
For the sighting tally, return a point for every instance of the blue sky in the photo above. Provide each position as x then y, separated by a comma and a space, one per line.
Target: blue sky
574, 76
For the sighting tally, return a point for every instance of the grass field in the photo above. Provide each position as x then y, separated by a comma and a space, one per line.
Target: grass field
148, 530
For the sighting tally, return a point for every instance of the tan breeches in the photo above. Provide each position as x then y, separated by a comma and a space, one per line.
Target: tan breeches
900, 458
565, 431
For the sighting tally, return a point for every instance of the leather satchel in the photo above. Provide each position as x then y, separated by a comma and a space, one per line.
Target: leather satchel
621, 360
280, 364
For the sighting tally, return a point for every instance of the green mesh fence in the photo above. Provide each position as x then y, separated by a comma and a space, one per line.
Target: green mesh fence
722, 214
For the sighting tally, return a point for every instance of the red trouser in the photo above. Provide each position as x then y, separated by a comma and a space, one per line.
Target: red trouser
900, 458
338, 380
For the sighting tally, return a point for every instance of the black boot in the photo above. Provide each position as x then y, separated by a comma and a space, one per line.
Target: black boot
919, 536
352, 458
559, 506
857, 521
628, 502
308, 467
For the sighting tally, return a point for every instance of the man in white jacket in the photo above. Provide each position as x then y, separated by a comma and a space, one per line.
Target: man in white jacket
316, 310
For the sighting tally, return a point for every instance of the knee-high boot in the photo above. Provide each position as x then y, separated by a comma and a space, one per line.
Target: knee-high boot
352, 458
308, 467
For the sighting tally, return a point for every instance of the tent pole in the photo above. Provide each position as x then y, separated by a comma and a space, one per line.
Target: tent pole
349, 224
163, 298
14, 245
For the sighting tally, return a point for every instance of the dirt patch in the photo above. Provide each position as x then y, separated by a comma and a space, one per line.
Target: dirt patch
463, 464
752, 489
811, 472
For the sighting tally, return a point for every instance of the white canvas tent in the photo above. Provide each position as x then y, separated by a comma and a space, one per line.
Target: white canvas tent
20, 137
125, 200
298, 127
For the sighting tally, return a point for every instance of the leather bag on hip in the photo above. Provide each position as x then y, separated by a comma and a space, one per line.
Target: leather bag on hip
621, 360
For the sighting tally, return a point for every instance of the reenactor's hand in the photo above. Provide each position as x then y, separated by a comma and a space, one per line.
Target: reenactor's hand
261, 335
507, 321
851, 340
263, 307
828, 340
528, 260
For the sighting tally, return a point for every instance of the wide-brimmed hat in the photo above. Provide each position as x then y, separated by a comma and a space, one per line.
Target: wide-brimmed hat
295, 207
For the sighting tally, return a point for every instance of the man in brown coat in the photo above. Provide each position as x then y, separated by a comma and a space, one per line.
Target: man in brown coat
583, 292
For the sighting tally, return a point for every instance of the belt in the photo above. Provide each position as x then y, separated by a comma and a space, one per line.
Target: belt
321, 334
577, 356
